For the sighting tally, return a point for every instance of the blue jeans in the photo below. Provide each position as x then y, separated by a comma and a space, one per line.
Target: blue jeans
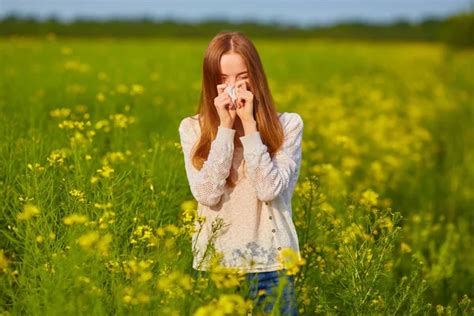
269, 282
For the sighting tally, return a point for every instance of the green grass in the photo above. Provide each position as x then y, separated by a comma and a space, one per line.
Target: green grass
383, 206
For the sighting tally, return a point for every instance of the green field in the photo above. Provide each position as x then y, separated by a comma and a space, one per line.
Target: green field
96, 212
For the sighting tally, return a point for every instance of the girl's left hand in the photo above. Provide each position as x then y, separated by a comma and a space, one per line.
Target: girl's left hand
244, 101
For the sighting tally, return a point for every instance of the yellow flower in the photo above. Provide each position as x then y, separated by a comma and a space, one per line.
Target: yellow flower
92, 241
29, 211
291, 260
121, 120
103, 244
103, 124
121, 88
136, 89
405, 247
100, 97
369, 197
225, 277
61, 113
56, 157
4, 262
113, 157
75, 219
80, 196
37, 167
145, 276
103, 206
129, 297
228, 304
105, 171
87, 240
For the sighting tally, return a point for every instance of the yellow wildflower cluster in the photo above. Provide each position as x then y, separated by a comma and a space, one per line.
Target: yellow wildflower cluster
121, 88
78, 195
92, 289
291, 260
80, 135
174, 284
405, 248
93, 241
57, 157
139, 269
103, 125
113, 266
40, 239
121, 120
4, 262
81, 139
103, 206
190, 218
75, 219
226, 277
108, 217
227, 304
178, 146
113, 157
105, 171
76, 65
70, 124
369, 198
100, 97
60, 113
36, 167
145, 234
384, 222
130, 296
167, 234
136, 89
29, 211
353, 232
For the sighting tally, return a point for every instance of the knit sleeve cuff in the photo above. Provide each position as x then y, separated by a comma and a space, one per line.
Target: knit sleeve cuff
251, 141
225, 134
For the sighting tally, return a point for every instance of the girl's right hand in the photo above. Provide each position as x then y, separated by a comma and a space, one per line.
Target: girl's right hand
225, 107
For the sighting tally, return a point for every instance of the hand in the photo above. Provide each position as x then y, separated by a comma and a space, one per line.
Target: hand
225, 107
244, 102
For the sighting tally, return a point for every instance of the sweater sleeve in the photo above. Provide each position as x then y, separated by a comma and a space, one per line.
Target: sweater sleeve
207, 185
272, 176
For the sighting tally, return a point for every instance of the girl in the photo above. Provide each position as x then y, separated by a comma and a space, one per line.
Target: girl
242, 161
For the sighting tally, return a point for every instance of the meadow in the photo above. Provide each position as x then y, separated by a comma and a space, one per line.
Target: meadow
96, 212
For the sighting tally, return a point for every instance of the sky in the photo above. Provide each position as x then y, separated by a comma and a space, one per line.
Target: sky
288, 12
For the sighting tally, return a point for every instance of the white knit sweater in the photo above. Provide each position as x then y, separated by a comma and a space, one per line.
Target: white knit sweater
257, 213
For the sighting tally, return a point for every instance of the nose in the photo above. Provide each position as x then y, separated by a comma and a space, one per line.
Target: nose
231, 82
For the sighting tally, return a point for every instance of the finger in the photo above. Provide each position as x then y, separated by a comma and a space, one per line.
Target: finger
223, 103
228, 101
240, 102
241, 84
221, 87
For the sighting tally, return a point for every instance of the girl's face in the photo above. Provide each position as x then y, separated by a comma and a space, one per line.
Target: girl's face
233, 69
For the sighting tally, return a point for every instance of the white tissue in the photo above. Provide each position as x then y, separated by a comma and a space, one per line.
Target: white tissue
231, 92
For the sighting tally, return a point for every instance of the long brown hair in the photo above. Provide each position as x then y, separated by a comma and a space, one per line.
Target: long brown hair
268, 123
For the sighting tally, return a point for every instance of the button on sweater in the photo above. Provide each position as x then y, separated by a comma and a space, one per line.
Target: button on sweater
249, 224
